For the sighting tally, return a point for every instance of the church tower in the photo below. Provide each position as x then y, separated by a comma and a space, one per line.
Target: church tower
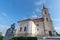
48, 26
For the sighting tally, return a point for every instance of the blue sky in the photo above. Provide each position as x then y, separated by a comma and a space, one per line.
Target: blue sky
14, 10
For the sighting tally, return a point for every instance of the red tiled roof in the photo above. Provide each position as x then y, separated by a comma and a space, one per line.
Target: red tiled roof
38, 20
35, 20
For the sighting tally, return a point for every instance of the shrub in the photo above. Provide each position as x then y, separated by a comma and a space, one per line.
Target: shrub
1, 38
25, 38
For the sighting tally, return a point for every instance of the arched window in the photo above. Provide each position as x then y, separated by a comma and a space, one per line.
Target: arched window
25, 28
20, 28
37, 24
45, 12
47, 19
37, 29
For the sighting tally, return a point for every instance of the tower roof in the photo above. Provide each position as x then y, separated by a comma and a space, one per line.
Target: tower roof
44, 6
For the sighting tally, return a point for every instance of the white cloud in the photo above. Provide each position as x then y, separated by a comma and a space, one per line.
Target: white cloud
44, 1
24, 17
56, 19
34, 16
33, 12
38, 10
3, 34
57, 29
38, 3
4, 14
3, 29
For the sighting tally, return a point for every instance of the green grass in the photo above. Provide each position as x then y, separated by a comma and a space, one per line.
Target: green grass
25, 38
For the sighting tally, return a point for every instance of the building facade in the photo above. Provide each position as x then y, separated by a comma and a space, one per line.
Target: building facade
36, 27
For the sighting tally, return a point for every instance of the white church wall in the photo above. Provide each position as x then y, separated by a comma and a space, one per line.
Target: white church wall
33, 28
29, 27
40, 28
23, 24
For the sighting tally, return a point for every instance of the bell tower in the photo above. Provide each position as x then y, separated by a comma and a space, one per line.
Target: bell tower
48, 26
46, 14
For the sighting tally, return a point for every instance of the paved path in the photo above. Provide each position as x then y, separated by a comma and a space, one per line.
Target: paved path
49, 38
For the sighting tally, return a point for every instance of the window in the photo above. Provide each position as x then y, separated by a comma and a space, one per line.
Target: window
47, 19
20, 28
25, 29
37, 29
37, 24
45, 12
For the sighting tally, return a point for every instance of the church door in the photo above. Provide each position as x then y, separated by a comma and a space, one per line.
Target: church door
50, 33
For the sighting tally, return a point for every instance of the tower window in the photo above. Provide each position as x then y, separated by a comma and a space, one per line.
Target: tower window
25, 28
37, 29
20, 28
37, 24
45, 12
47, 19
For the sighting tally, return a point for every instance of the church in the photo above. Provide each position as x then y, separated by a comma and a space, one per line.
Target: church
36, 27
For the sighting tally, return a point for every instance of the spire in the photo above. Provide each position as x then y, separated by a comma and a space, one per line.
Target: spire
43, 5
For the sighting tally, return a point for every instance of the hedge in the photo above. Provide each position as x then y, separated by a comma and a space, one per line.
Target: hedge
25, 38
1, 38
